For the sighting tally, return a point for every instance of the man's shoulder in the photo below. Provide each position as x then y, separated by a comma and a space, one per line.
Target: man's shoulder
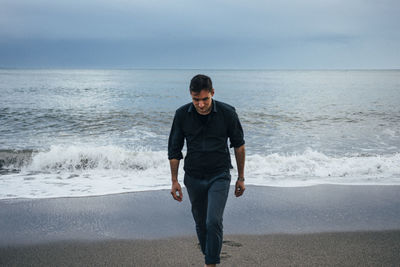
225, 107
183, 108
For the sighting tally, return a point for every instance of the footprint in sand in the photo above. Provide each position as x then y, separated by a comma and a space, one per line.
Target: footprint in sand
224, 255
231, 243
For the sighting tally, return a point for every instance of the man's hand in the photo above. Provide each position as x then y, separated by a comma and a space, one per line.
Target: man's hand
240, 158
176, 191
239, 188
176, 187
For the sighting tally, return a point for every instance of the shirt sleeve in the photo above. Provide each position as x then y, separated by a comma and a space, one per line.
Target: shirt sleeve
235, 132
176, 140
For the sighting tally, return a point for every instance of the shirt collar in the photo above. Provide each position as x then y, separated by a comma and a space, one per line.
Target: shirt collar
214, 106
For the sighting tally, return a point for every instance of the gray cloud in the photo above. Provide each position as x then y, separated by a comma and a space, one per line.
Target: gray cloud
178, 33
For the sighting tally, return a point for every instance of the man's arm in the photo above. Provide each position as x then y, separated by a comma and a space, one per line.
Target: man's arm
240, 159
175, 144
176, 187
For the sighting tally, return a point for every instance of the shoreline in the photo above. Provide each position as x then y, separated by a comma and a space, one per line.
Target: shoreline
323, 225
155, 215
17, 199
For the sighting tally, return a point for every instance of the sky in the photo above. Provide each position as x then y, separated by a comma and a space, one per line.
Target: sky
217, 34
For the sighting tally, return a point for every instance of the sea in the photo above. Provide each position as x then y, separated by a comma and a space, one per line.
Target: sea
83, 132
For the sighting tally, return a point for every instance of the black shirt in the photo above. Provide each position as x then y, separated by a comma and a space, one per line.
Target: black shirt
207, 149
202, 118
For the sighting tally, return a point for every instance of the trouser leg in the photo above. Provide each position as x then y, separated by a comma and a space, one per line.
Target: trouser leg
217, 196
197, 191
208, 198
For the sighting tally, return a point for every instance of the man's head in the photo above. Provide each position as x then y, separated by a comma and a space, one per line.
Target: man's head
202, 92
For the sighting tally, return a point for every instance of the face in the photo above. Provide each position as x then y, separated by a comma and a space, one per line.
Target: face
202, 101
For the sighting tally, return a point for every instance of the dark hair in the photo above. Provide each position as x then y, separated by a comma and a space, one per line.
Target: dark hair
200, 82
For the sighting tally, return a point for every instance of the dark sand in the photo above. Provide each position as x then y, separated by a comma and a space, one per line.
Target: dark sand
269, 226
324, 249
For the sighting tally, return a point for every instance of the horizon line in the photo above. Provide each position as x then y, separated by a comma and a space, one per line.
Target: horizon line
194, 68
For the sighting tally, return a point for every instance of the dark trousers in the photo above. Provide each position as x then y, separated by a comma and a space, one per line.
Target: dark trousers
208, 197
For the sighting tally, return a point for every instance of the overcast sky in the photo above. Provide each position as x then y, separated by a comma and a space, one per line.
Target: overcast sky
296, 34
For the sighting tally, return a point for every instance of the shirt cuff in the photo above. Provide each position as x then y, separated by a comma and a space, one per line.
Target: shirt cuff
237, 144
177, 156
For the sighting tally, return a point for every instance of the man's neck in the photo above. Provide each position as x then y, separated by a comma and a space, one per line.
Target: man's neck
209, 111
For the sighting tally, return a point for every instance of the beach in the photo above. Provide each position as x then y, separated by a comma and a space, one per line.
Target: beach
84, 175
353, 225
374, 248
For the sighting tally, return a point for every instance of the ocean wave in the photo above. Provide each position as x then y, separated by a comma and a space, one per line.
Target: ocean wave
84, 170
76, 158
310, 163
316, 164
14, 159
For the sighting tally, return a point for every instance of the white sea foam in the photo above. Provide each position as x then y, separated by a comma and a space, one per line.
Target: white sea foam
313, 167
87, 170
82, 157
83, 170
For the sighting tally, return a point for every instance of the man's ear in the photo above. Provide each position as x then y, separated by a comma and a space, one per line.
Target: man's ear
212, 92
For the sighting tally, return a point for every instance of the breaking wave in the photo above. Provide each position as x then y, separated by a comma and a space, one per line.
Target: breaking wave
82, 170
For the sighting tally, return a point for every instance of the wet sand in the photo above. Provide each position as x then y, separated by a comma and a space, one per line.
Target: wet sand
321, 249
269, 226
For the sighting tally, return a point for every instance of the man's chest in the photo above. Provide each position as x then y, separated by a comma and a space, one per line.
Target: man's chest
214, 126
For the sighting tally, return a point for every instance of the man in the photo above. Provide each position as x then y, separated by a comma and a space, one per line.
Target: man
206, 124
